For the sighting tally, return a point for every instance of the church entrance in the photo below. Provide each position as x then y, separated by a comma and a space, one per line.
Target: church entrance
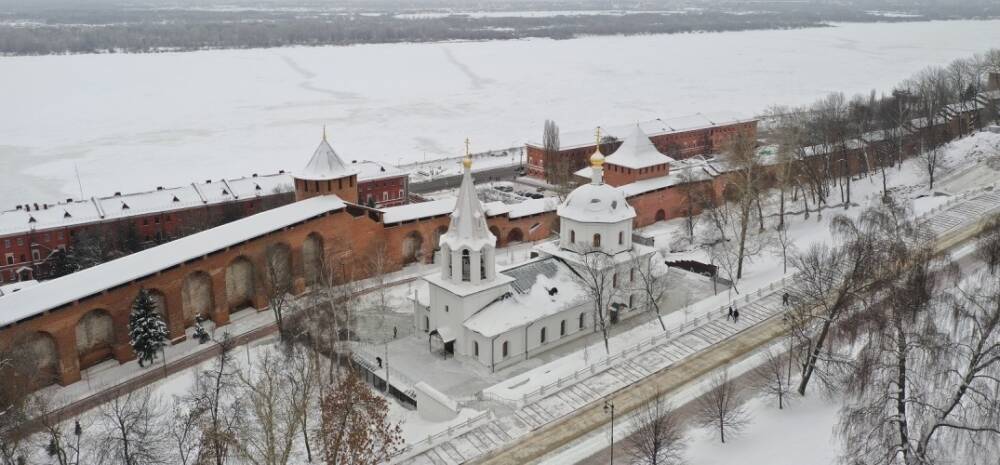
442, 341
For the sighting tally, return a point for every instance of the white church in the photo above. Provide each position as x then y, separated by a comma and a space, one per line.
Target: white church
500, 317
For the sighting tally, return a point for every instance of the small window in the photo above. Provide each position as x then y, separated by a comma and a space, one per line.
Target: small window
427, 324
541, 336
475, 348
614, 280
6, 243
621, 237
145, 221
597, 240
631, 275
562, 328
446, 309
572, 237
400, 194
385, 196
503, 349
10, 259
20, 241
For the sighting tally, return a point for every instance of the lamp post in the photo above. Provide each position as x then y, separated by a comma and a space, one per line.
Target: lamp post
609, 407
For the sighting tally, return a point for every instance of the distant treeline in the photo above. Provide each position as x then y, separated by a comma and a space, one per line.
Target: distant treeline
150, 29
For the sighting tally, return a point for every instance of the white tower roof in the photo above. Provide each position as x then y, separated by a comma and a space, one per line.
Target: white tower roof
596, 202
468, 226
325, 164
637, 151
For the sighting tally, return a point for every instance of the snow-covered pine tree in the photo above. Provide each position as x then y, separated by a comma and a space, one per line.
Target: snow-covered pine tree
200, 333
147, 331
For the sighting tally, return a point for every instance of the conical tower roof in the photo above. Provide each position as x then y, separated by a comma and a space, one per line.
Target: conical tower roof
468, 228
637, 151
325, 164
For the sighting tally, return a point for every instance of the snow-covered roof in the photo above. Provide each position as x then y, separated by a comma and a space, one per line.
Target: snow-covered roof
676, 176
8, 289
325, 164
637, 151
652, 128
96, 209
527, 207
373, 170
468, 228
596, 202
430, 209
51, 294
536, 303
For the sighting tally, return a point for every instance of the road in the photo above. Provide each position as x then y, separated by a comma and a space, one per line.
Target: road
503, 173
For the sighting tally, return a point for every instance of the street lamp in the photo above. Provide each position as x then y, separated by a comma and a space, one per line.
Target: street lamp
609, 408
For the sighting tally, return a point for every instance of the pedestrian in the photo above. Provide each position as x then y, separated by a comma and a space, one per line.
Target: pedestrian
736, 316
394, 332
730, 315
784, 299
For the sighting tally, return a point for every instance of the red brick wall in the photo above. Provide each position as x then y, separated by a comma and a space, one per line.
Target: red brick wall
386, 192
345, 188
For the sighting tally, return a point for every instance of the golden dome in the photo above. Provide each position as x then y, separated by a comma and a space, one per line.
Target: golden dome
467, 162
597, 159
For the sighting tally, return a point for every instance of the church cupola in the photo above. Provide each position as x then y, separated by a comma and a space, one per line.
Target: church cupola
596, 216
467, 249
326, 174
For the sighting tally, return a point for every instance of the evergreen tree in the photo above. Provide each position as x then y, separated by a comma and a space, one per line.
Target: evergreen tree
146, 329
63, 263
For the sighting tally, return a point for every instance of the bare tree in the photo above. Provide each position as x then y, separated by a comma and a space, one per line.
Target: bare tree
270, 423
785, 243
130, 430
721, 407
650, 279
19, 376
597, 274
657, 437
772, 377
355, 428
276, 281
559, 167
741, 154
214, 394
304, 377
379, 264
183, 432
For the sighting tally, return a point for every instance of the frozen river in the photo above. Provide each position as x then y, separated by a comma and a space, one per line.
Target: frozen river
131, 122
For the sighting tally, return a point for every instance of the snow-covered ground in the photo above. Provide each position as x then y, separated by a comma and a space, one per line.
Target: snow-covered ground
128, 122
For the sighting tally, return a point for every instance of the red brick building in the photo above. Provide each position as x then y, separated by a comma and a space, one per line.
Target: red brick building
381, 185
678, 138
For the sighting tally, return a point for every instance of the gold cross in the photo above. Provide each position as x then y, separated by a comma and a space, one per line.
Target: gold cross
597, 135
466, 146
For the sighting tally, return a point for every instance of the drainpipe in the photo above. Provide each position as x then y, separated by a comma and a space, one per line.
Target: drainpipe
493, 352
526, 339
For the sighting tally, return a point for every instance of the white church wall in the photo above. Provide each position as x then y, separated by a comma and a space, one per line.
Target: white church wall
584, 235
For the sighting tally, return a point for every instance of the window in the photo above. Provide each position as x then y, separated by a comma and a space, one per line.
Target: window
20, 241
446, 309
621, 237
631, 275
400, 194
385, 196
482, 267
631, 301
427, 324
503, 349
156, 220
35, 255
46, 237
10, 259
475, 348
466, 265
541, 336
6, 243
581, 320
316, 185
562, 328
145, 221
597, 240
572, 237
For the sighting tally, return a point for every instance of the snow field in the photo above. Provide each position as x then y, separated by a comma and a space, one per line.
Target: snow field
165, 118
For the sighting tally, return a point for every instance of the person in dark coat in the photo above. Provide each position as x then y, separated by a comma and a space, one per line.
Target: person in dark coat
730, 315
736, 316
784, 299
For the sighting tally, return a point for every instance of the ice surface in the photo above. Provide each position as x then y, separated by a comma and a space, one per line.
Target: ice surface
129, 122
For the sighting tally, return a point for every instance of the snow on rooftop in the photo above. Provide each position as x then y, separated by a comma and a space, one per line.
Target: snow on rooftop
678, 176
523, 308
77, 212
8, 289
637, 151
655, 127
371, 170
325, 164
51, 294
442, 206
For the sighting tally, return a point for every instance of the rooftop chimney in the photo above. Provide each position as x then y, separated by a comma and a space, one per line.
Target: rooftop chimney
69, 200
118, 194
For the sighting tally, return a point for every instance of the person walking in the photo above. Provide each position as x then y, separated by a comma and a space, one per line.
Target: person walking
784, 299
730, 315
736, 316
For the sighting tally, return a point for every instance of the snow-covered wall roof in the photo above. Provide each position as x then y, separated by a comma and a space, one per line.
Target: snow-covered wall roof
75, 286
167, 200
655, 127
373, 170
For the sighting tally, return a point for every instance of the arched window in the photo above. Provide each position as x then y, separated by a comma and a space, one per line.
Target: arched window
475, 348
572, 237
503, 349
581, 321
541, 336
631, 301
597, 240
562, 328
466, 265
621, 237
